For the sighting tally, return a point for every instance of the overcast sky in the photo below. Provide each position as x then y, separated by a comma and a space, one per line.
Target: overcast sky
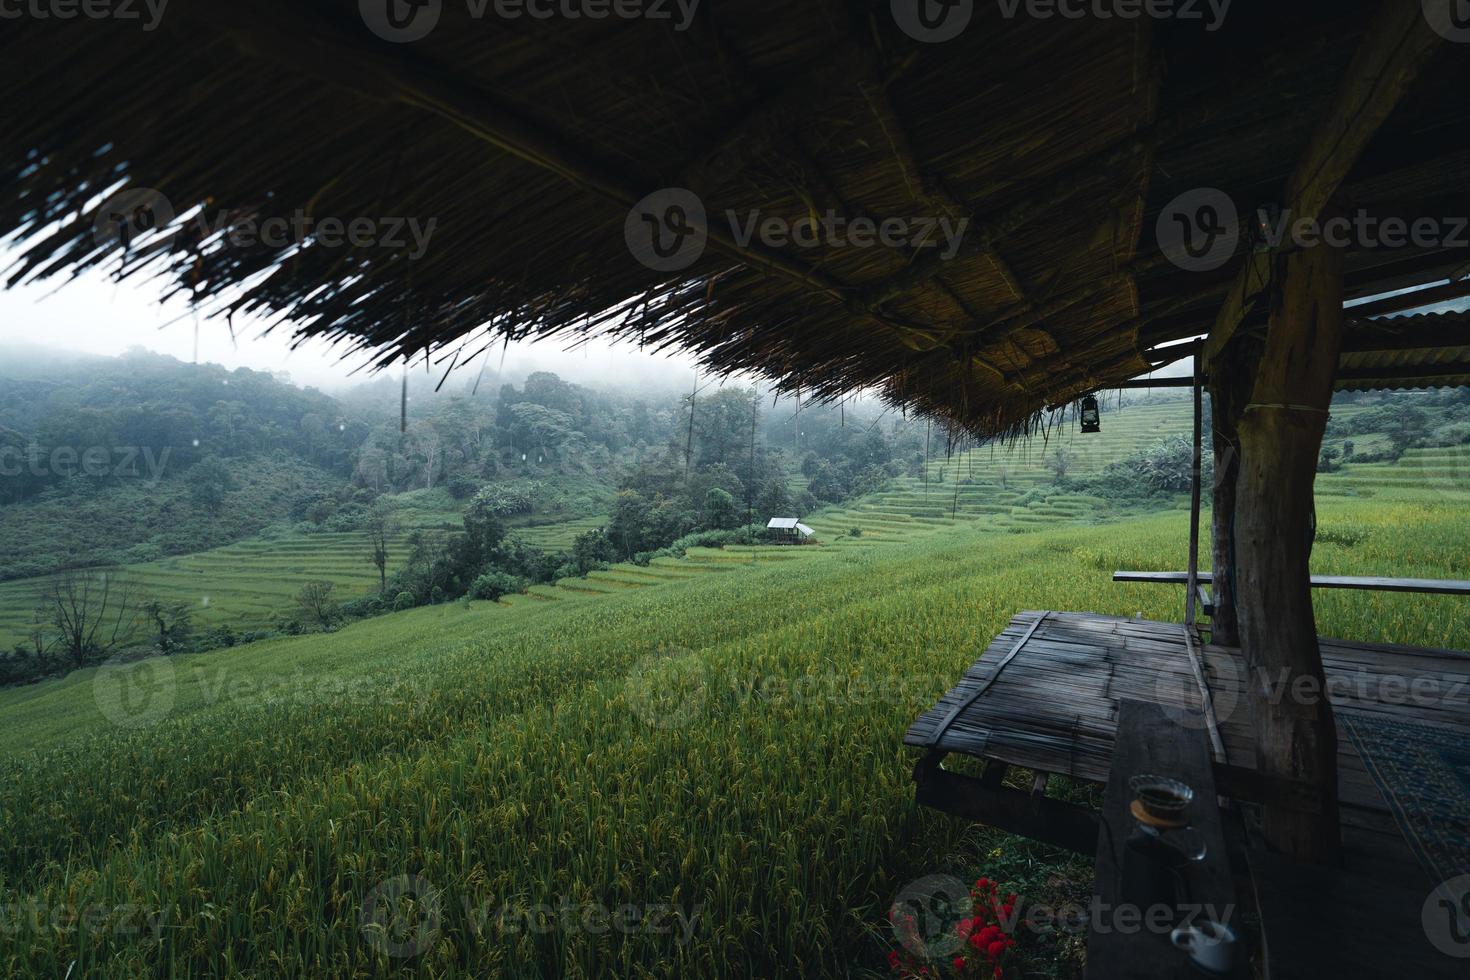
97, 316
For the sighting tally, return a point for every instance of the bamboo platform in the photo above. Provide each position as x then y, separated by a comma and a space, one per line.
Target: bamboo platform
1045, 697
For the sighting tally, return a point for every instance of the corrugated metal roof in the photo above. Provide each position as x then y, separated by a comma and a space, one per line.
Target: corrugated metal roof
808, 532
782, 523
1434, 360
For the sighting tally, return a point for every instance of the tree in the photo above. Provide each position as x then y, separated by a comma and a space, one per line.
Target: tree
492, 585
719, 509
426, 447
95, 612
172, 624
381, 525
774, 500
317, 604
1405, 428
592, 549
427, 569
1059, 463
483, 533
208, 480
629, 527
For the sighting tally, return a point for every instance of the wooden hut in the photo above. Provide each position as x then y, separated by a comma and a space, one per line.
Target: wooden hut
1091, 166
789, 529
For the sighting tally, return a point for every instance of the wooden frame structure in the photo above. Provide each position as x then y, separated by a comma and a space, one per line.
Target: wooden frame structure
1049, 703
536, 147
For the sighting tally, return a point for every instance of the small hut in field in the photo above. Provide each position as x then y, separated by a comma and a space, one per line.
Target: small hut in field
983, 220
789, 530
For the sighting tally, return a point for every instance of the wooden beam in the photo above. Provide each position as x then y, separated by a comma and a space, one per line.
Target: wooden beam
1410, 333
1137, 877
1397, 46
1219, 97
987, 234
1416, 586
1410, 301
1054, 822
305, 40
1430, 376
926, 192
770, 120
1144, 384
1373, 274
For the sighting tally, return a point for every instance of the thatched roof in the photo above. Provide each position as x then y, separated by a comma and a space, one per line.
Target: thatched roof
527, 142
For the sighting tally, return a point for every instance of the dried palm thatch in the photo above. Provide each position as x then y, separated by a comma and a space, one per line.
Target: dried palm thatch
526, 142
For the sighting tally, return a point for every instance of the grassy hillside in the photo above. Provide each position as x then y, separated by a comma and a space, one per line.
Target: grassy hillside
720, 739
996, 488
136, 520
247, 585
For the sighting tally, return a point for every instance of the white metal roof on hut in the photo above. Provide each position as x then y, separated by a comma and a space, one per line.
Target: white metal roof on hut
790, 524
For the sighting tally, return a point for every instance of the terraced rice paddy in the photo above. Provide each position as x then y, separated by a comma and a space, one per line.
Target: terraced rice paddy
1007, 487
558, 537
680, 738
993, 489
244, 585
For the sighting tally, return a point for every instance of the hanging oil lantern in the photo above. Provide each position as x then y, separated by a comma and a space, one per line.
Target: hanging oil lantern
1091, 415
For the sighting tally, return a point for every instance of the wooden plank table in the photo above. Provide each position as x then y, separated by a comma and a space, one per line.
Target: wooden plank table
1140, 898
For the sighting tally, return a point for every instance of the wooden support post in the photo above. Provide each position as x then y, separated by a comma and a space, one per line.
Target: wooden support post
1231, 378
1280, 439
1191, 599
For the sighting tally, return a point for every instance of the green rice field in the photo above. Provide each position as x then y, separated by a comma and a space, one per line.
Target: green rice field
714, 743
1001, 488
243, 585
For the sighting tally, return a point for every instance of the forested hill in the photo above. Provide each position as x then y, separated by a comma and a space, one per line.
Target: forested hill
147, 401
111, 461
106, 460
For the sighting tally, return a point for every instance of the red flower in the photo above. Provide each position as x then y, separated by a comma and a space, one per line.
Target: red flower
996, 949
893, 959
959, 962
